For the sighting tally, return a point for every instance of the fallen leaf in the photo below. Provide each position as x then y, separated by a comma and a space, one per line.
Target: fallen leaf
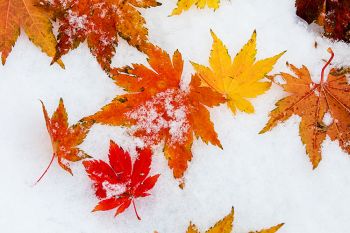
65, 139
119, 183
184, 5
324, 108
99, 22
157, 109
16, 14
334, 16
237, 79
225, 225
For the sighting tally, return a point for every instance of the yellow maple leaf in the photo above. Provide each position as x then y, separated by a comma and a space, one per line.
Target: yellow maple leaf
184, 5
34, 21
240, 78
225, 225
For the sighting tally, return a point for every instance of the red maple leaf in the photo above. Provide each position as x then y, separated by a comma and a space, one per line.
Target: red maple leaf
120, 183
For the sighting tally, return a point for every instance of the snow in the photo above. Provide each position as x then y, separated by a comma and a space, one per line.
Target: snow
267, 178
327, 119
113, 189
76, 21
153, 118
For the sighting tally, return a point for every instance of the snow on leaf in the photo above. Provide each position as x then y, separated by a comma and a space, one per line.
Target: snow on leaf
99, 22
157, 109
165, 111
333, 15
324, 109
65, 139
119, 183
184, 5
237, 79
225, 225
17, 14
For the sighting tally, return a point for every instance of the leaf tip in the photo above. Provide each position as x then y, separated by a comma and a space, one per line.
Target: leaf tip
213, 35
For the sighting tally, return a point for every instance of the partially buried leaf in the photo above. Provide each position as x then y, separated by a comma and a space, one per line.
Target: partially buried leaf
65, 139
324, 108
120, 182
17, 14
238, 79
184, 5
333, 16
99, 22
225, 225
157, 109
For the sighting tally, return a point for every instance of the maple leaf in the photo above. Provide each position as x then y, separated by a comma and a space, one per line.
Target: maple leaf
225, 225
120, 183
64, 139
184, 5
334, 16
15, 14
324, 108
157, 109
99, 22
237, 79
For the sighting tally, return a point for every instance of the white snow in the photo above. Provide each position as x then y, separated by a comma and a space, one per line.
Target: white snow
78, 22
327, 119
267, 178
113, 189
153, 118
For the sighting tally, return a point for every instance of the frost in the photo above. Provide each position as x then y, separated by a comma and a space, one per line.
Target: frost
167, 112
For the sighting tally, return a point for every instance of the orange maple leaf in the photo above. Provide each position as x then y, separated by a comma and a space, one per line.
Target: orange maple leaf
324, 109
65, 139
157, 109
225, 225
15, 14
99, 22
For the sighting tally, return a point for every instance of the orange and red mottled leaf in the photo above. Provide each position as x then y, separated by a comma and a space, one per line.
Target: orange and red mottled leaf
100, 23
158, 109
65, 140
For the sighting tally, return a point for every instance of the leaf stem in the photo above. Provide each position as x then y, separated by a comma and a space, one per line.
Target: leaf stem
327, 64
137, 215
52, 158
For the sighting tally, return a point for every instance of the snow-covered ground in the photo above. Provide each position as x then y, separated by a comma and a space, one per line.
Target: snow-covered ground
267, 178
